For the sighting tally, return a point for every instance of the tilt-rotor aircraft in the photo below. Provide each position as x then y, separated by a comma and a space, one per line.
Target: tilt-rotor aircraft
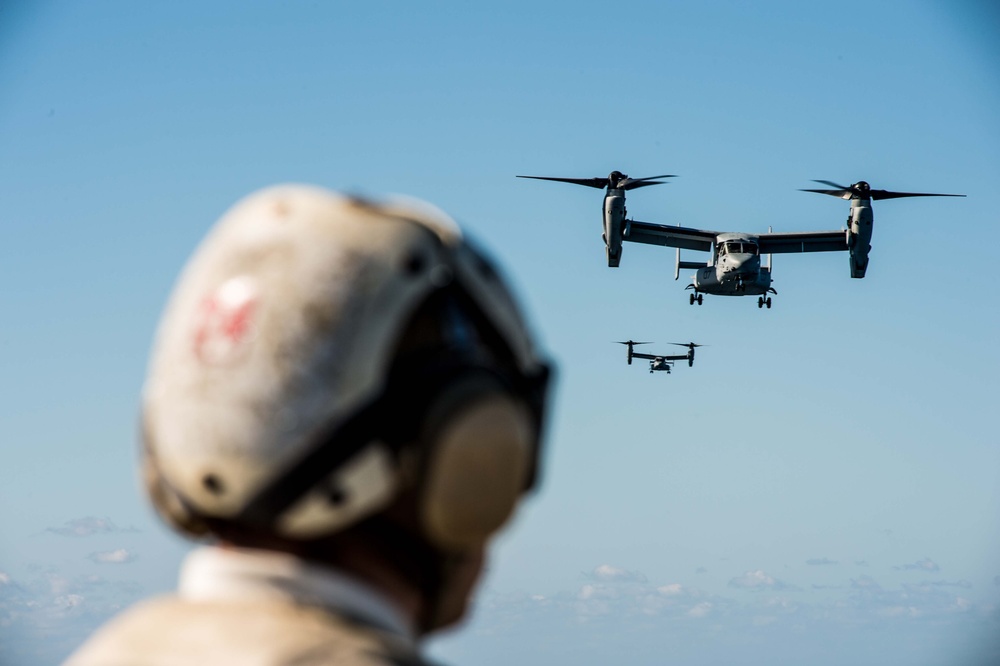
661, 362
734, 265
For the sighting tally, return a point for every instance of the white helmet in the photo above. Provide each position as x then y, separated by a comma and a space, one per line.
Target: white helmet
296, 387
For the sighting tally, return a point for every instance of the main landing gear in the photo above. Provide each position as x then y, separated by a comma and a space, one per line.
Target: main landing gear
761, 302
699, 298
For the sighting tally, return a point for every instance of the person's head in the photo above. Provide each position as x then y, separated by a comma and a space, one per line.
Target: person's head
349, 381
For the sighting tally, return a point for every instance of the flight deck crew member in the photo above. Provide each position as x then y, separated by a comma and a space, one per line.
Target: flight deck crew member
344, 402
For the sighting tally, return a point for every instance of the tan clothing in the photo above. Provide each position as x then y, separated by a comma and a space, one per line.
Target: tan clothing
256, 608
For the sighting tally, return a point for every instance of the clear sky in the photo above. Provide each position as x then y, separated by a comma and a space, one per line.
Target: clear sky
822, 487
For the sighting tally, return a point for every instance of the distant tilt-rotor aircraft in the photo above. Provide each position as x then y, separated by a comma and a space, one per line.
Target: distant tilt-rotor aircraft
734, 265
662, 362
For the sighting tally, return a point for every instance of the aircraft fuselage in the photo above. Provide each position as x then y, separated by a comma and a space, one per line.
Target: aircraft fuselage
736, 269
659, 364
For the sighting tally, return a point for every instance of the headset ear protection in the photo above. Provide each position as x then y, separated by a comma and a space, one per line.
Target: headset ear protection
472, 418
476, 447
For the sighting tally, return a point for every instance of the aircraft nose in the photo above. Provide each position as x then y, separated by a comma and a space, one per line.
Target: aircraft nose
743, 264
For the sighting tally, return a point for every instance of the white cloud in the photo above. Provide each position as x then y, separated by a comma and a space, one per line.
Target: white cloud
926, 564
607, 572
68, 601
865, 583
757, 580
612, 608
945, 583
84, 527
701, 609
962, 605
899, 611
44, 617
119, 556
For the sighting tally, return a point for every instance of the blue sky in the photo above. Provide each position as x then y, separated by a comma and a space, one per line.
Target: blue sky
822, 487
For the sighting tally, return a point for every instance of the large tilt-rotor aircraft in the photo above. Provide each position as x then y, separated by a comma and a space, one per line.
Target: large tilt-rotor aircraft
662, 362
615, 185
734, 265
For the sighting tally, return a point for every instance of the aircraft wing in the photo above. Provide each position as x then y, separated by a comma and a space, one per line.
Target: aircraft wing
659, 357
803, 241
660, 234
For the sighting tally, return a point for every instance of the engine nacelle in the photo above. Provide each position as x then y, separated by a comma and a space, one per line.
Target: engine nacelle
614, 227
859, 261
859, 237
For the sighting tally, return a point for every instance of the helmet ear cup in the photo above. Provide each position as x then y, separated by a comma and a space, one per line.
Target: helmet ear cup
479, 448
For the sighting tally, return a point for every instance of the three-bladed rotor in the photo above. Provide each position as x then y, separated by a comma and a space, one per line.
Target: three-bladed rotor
691, 347
630, 344
862, 190
616, 180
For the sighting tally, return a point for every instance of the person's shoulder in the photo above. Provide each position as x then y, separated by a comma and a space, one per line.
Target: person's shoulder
167, 631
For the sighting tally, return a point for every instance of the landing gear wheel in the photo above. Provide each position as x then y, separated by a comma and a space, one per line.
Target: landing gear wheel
691, 301
700, 299
768, 302
760, 302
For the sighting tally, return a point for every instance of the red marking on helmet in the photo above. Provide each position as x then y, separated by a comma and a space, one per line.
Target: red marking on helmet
225, 321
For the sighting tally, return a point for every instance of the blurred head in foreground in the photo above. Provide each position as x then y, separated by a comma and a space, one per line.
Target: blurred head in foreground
344, 398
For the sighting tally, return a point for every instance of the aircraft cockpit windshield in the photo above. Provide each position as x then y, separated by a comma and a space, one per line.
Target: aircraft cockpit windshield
737, 247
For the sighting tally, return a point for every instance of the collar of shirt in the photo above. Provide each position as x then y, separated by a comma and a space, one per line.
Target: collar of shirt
238, 574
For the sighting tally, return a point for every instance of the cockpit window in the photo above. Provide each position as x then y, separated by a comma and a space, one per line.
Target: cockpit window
742, 248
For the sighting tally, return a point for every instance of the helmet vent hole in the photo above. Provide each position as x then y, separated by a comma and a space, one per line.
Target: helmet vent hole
212, 483
336, 496
414, 264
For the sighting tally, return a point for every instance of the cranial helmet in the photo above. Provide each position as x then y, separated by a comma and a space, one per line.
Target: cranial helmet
320, 355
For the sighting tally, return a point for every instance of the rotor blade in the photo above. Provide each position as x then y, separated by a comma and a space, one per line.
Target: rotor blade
843, 194
632, 183
666, 175
599, 183
636, 184
885, 194
686, 344
631, 342
832, 184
